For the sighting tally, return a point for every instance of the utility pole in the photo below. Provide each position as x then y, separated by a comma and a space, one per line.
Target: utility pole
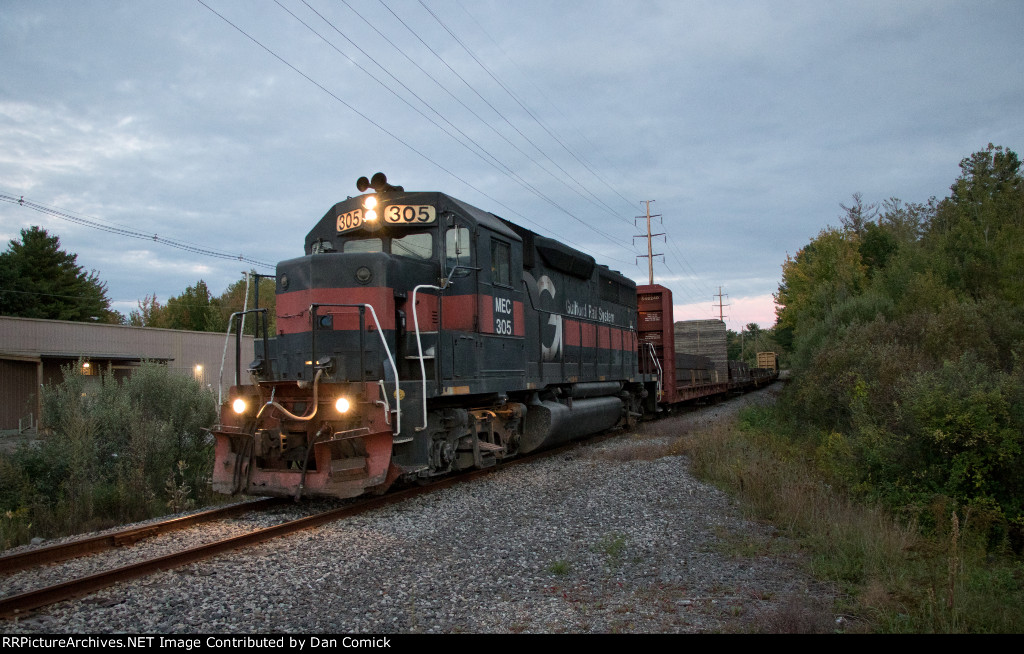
650, 254
721, 315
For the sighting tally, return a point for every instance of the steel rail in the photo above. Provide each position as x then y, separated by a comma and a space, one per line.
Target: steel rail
18, 605
23, 603
64, 551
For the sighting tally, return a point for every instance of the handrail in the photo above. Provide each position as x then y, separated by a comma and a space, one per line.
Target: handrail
238, 349
387, 405
391, 359
661, 373
419, 348
445, 282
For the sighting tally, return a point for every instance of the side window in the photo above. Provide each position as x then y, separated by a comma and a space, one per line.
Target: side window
501, 266
456, 248
609, 289
321, 246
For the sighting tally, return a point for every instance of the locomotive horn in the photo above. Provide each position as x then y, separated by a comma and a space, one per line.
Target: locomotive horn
379, 182
362, 184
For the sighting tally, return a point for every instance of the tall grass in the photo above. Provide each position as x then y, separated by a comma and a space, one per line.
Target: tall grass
125, 450
892, 576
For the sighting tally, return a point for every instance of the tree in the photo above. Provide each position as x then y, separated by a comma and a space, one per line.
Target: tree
906, 222
233, 299
977, 231
907, 336
858, 216
825, 272
194, 310
40, 280
149, 314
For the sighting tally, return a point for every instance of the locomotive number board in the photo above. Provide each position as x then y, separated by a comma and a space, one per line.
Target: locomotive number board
350, 220
396, 214
409, 214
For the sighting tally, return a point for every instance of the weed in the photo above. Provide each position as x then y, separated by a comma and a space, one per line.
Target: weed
560, 567
613, 546
794, 614
178, 491
892, 577
15, 527
123, 451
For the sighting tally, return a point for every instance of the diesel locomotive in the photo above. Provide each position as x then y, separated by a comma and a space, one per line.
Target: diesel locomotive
418, 336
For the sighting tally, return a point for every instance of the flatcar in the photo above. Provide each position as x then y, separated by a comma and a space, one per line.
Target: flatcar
419, 335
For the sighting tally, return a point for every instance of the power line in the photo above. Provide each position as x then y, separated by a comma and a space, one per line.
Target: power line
541, 93
508, 171
131, 233
497, 164
500, 115
524, 108
392, 134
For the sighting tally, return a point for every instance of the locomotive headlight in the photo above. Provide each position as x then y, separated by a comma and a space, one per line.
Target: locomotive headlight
370, 202
239, 406
342, 405
371, 215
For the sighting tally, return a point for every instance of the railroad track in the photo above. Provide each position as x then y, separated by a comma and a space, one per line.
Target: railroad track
19, 605
84, 546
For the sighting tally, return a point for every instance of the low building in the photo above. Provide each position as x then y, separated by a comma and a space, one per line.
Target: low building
33, 353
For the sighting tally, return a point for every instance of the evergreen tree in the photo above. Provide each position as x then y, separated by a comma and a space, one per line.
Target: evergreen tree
40, 280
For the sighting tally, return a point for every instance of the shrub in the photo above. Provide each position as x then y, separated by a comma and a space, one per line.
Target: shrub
117, 452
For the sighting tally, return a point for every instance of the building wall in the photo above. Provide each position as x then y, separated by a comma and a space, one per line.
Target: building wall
18, 391
32, 351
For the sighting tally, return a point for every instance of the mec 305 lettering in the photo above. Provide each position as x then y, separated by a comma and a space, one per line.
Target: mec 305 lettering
503, 316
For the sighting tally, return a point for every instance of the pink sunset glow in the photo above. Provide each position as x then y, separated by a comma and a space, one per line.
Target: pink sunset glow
738, 312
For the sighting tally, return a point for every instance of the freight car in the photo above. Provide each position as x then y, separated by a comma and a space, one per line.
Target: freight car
418, 336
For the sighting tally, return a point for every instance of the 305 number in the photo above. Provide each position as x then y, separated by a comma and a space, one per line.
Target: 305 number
350, 220
409, 214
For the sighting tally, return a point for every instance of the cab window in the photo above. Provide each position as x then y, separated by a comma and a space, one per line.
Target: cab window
501, 267
417, 246
456, 248
363, 245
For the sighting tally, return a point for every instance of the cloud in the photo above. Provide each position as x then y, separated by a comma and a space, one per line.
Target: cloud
748, 123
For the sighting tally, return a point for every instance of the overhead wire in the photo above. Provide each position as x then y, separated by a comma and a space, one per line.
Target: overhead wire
113, 228
599, 202
523, 106
690, 289
498, 113
384, 129
493, 161
543, 95
444, 88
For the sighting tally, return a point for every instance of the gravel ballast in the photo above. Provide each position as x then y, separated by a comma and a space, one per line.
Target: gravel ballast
587, 541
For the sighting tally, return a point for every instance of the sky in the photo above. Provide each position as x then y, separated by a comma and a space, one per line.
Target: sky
231, 127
